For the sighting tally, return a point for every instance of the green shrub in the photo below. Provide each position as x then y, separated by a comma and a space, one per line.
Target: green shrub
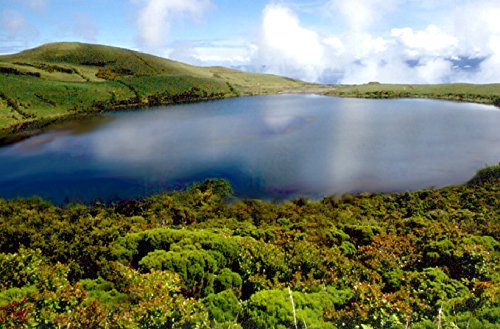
223, 307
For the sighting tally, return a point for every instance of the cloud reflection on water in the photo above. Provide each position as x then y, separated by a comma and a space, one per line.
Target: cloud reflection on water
272, 146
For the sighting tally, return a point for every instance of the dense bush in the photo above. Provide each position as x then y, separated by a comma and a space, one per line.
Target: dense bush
200, 258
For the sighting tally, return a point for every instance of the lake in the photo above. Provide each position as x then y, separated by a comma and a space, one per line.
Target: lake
270, 147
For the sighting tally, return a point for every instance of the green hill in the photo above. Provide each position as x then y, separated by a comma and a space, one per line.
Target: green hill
57, 80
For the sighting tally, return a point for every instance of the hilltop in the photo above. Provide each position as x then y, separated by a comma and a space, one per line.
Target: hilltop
41, 85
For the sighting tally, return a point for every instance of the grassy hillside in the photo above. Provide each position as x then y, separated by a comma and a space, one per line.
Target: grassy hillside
57, 80
486, 93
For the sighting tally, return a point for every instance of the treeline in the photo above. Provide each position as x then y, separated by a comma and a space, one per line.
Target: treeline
201, 258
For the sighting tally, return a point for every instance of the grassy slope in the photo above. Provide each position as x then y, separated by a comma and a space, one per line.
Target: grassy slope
40, 85
486, 93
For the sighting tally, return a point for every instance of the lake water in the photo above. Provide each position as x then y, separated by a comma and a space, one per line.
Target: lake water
270, 147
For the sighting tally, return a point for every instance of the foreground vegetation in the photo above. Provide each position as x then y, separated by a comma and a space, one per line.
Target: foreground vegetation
424, 259
485, 94
61, 80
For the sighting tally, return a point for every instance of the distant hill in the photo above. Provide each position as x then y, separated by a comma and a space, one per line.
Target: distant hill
57, 80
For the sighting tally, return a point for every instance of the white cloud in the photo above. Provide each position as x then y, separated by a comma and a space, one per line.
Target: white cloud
478, 28
213, 53
365, 45
382, 68
336, 45
430, 42
156, 16
216, 55
437, 52
490, 69
361, 14
286, 45
435, 70
382, 60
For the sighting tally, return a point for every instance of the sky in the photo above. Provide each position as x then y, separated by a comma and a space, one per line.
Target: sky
327, 41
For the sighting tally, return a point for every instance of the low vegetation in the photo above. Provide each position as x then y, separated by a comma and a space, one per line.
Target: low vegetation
200, 258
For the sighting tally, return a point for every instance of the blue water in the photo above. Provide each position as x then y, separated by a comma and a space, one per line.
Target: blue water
270, 147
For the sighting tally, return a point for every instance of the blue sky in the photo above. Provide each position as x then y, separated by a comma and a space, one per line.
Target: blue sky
344, 41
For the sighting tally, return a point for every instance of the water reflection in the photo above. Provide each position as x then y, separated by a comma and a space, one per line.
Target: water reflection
268, 147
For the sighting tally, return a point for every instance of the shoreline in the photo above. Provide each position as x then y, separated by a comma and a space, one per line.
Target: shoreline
23, 130
35, 127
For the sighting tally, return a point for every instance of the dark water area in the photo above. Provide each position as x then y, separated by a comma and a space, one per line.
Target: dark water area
269, 147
